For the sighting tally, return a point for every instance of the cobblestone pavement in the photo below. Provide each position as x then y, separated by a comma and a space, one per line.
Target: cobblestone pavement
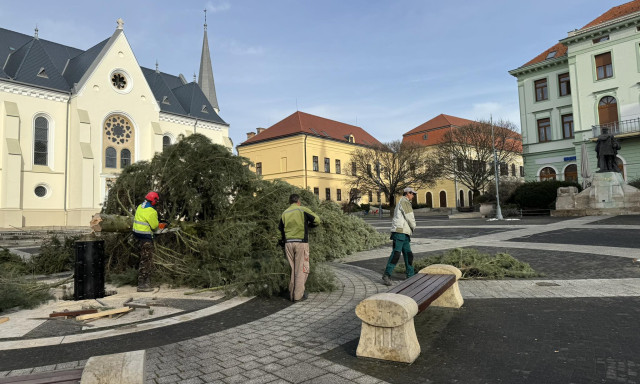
308, 342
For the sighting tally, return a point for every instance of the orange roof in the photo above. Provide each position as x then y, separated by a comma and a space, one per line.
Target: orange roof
434, 129
300, 122
439, 121
615, 12
561, 50
612, 14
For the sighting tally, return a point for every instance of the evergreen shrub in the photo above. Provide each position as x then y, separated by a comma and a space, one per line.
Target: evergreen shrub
540, 194
477, 265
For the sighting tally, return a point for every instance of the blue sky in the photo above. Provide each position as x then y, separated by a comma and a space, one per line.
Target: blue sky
387, 66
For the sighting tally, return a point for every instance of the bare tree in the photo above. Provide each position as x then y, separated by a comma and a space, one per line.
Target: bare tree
391, 167
466, 152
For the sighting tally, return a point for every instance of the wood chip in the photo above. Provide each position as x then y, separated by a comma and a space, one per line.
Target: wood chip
3, 319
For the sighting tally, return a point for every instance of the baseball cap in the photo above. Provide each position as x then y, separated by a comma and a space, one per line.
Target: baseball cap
409, 190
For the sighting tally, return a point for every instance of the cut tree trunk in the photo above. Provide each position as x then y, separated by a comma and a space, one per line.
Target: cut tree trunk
101, 222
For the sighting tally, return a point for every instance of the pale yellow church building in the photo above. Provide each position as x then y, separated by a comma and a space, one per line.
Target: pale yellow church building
71, 119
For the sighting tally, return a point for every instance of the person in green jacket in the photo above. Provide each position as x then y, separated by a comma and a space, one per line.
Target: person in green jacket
402, 227
294, 229
144, 224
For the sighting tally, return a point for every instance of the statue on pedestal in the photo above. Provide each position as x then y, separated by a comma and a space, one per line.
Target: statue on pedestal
606, 149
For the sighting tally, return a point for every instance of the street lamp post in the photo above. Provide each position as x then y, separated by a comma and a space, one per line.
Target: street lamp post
379, 191
495, 173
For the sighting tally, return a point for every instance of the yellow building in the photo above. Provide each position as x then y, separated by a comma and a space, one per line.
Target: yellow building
307, 151
448, 193
71, 119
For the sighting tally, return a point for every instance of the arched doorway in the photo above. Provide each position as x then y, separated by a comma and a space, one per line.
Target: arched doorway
571, 173
470, 198
461, 198
443, 199
547, 173
608, 113
429, 199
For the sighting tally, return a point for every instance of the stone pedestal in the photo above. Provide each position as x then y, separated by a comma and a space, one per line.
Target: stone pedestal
608, 194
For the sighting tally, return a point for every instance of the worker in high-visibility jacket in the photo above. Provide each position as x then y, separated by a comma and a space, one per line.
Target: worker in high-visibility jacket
294, 229
144, 224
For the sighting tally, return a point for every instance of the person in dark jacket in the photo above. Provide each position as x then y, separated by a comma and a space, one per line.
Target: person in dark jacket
294, 229
144, 224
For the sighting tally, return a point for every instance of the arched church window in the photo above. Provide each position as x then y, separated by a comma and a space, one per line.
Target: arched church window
110, 158
119, 135
125, 158
40, 141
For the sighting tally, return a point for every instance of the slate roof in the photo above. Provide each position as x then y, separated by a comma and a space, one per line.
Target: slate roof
23, 57
611, 14
301, 122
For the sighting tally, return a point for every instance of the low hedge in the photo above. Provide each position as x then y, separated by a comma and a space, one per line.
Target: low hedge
540, 194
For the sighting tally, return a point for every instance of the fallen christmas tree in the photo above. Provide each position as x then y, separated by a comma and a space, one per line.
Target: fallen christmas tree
229, 223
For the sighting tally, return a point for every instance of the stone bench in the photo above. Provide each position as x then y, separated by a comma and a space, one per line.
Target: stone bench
388, 332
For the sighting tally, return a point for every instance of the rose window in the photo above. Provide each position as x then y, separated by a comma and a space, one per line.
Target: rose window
119, 81
118, 129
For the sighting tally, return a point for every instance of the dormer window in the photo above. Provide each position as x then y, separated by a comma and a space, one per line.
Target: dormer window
551, 54
350, 138
42, 73
165, 100
204, 109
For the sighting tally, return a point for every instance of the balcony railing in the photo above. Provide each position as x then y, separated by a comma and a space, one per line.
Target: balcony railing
618, 127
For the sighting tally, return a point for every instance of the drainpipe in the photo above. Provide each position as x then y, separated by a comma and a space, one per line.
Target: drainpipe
195, 125
66, 164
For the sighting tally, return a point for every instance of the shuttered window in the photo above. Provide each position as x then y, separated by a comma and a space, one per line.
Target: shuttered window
604, 67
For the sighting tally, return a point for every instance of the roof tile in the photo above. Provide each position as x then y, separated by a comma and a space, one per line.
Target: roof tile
300, 122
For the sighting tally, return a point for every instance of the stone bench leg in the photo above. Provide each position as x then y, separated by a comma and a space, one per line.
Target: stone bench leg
387, 331
122, 368
451, 297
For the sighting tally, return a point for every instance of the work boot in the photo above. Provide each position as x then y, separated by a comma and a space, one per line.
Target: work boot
386, 280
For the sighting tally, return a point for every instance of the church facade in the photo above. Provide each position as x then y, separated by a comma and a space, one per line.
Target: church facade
71, 120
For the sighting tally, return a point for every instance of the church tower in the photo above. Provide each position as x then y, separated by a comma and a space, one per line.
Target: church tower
205, 77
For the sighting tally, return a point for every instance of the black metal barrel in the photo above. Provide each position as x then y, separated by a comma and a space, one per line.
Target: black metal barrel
89, 270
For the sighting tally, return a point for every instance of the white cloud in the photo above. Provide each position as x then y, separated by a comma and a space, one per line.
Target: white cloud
240, 49
218, 6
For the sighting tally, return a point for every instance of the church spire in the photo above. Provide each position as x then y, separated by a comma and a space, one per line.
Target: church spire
205, 77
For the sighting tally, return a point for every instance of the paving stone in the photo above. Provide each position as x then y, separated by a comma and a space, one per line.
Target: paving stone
329, 378
192, 380
299, 373
210, 377
236, 379
168, 379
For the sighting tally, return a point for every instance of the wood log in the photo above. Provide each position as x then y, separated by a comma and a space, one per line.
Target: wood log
101, 222
73, 313
3, 319
110, 312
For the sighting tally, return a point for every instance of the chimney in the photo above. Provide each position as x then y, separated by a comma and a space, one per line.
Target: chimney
250, 135
260, 130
